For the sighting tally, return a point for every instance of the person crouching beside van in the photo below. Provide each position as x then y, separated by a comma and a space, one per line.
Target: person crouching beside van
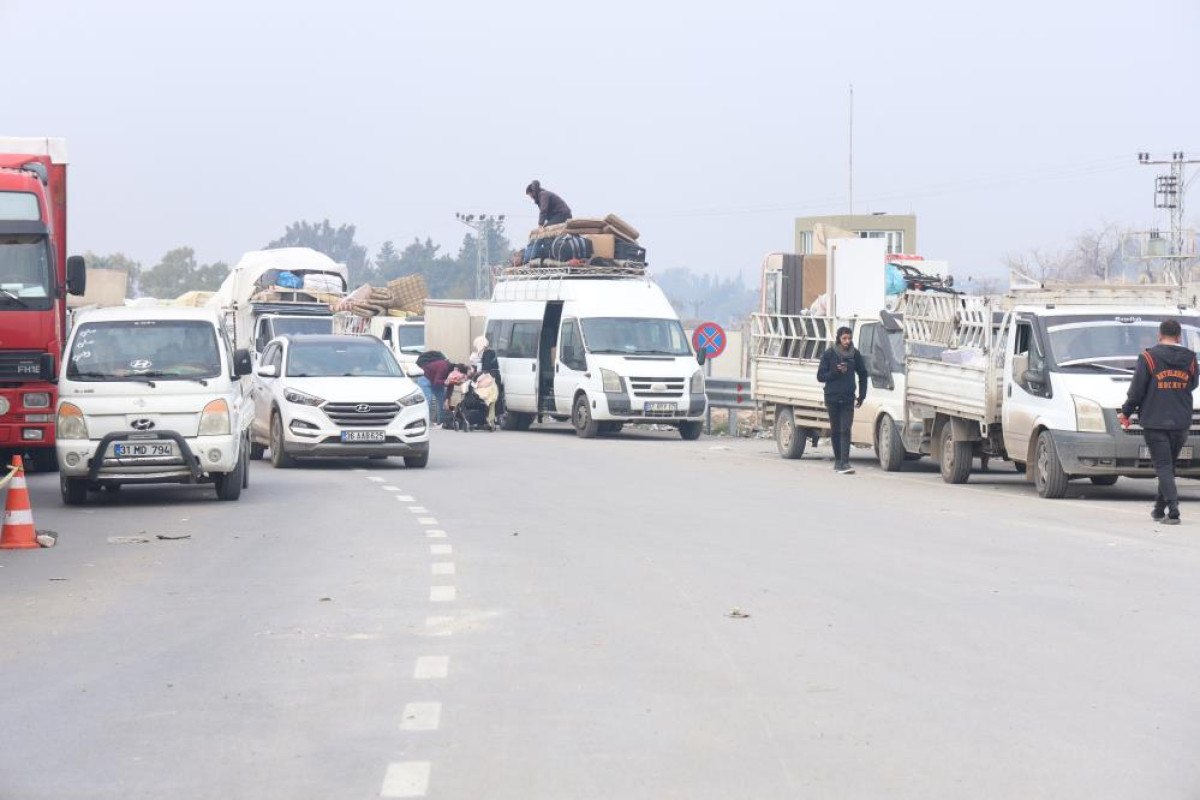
837, 370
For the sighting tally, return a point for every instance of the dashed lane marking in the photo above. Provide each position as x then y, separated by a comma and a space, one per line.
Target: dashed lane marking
440, 626
442, 594
405, 498
435, 534
431, 668
406, 779
440, 549
390, 488
418, 509
442, 568
421, 717
427, 521
376, 479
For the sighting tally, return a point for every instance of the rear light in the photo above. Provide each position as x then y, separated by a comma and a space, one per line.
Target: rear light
214, 419
71, 424
36, 399
39, 418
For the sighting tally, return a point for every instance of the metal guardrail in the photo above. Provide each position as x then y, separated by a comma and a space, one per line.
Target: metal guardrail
729, 393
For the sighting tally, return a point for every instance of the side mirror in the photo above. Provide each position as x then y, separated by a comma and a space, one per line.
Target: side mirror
268, 371
46, 367
1033, 378
241, 362
702, 356
1020, 365
76, 275
413, 371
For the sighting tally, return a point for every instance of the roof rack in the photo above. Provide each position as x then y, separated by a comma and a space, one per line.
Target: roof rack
563, 270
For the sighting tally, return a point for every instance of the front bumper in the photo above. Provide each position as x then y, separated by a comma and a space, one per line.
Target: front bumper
621, 407
1116, 454
196, 458
310, 433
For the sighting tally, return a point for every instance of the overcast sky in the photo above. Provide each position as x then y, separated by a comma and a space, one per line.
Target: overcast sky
1003, 126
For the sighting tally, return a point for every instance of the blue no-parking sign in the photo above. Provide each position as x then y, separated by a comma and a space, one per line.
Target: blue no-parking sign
709, 337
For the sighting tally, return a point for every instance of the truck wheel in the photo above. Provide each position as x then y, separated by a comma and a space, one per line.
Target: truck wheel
1019, 466
788, 438
955, 457
581, 418
1104, 480
279, 457
257, 451
74, 490
1048, 475
690, 431
516, 421
888, 445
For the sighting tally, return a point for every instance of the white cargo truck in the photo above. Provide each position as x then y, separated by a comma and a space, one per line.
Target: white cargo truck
1037, 378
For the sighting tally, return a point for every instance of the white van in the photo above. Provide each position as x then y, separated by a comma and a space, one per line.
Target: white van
404, 336
152, 395
600, 347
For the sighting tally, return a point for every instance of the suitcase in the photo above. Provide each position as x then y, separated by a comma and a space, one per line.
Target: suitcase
629, 251
570, 247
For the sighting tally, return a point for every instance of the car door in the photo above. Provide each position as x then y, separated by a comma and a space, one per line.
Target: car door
263, 391
517, 350
571, 365
863, 429
1026, 392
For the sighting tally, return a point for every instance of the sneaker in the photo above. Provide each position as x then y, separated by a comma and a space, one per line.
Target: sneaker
1172, 518
1157, 514
845, 469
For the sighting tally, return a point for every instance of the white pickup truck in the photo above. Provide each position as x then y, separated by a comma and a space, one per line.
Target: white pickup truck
785, 355
1036, 378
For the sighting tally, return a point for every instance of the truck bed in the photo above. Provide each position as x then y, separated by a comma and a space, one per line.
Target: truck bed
789, 382
968, 391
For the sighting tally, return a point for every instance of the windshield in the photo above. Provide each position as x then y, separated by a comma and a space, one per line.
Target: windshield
411, 338
1111, 342
24, 272
301, 326
352, 357
634, 336
143, 349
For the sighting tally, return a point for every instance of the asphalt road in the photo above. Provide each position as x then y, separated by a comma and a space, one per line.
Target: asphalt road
537, 616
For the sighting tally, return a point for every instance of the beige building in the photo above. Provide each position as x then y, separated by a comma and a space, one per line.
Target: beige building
900, 231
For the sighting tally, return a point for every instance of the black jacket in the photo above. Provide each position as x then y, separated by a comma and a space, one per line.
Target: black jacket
551, 206
840, 385
1162, 388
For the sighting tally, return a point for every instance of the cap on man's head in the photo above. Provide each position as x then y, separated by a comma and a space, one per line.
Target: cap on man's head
533, 187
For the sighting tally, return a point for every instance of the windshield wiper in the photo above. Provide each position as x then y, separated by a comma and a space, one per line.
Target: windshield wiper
108, 376
10, 296
1082, 362
160, 374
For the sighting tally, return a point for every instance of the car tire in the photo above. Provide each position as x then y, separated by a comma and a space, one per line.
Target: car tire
44, 459
279, 455
889, 447
690, 431
418, 461
257, 451
790, 440
229, 484
74, 490
954, 457
585, 425
1048, 476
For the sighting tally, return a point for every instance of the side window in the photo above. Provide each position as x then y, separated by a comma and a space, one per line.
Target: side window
493, 335
387, 334
1025, 344
266, 356
277, 358
499, 335
570, 346
523, 342
263, 336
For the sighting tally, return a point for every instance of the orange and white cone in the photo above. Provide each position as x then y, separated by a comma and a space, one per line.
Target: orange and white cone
18, 532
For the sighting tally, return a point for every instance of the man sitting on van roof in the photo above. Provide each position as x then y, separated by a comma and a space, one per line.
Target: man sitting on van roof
552, 209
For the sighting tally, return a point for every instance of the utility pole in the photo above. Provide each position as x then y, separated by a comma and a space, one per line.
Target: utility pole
1169, 191
483, 225
851, 210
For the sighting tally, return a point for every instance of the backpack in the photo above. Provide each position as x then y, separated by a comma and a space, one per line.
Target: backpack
569, 247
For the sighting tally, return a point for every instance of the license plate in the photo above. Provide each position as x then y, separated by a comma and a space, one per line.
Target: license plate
1184, 455
660, 408
144, 449
363, 436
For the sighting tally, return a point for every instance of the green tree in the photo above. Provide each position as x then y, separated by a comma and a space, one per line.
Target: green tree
178, 272
337, 243
117, 261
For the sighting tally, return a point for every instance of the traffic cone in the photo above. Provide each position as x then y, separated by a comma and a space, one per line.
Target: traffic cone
18, 532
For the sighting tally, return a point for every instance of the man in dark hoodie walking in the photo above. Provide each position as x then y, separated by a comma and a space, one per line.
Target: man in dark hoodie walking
837, 370
1161, 394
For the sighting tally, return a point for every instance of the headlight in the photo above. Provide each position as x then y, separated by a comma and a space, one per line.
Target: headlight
37, 400
70, 422
214, 419
301, 399
1089, 417
697, 384
414, 399
611, 381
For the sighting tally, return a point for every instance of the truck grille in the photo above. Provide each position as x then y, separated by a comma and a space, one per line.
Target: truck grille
657, 387
1135, 428
20, 365
361, 415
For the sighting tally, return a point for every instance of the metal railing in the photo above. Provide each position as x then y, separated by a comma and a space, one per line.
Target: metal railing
729, 393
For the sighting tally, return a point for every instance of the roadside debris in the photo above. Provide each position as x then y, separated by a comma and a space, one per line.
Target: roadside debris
737, 613
47, 538
172, 537
325, 600
129, 540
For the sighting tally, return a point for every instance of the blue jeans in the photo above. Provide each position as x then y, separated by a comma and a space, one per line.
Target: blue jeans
427, 390
437, 409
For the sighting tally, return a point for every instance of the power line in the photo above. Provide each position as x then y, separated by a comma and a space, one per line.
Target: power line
1170, 189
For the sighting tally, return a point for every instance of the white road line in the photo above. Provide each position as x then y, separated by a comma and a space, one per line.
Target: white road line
435, 534
427, 521
375, 479
440, 549
388, 488
404, 498
431, 668
406, 779
421, 717
418, 509
442, 594
442, 568
441, 626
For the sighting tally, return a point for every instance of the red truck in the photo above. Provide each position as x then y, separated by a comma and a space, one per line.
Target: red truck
35, 277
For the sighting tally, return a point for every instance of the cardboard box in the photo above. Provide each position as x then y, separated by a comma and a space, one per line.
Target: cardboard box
604, 245
813, 279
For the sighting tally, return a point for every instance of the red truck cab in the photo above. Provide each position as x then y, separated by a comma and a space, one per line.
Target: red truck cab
35, 277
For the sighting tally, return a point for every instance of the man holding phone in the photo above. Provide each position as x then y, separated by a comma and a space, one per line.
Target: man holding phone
839, 366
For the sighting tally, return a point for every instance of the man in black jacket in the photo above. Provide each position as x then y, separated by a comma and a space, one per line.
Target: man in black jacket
552, 209
837, 370
1161, 394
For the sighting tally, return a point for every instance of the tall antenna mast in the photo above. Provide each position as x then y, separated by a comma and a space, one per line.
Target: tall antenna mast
851, 148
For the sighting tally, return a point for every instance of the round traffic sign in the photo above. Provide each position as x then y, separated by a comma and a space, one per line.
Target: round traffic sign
709, 337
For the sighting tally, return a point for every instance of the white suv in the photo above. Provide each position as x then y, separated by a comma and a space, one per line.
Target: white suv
321, 396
